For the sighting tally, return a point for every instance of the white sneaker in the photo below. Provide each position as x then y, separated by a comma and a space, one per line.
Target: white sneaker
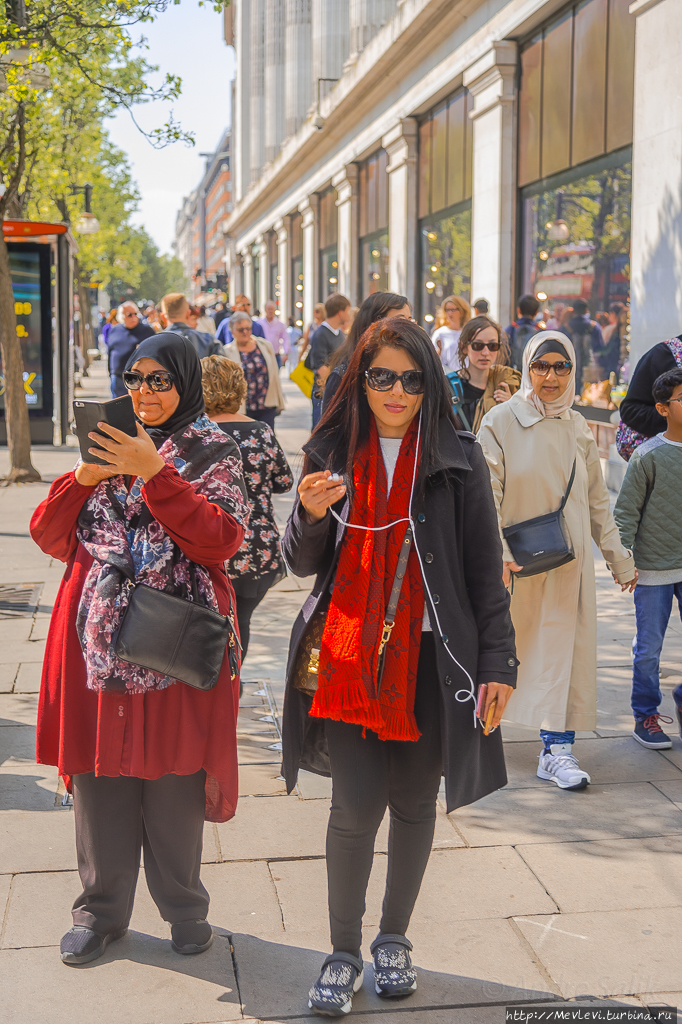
559, 765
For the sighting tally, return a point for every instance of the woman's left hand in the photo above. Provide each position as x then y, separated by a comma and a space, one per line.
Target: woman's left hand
503, 693
502, 392
129, 456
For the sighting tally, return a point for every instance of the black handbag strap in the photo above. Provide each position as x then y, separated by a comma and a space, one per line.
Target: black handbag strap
392, 606
568, 489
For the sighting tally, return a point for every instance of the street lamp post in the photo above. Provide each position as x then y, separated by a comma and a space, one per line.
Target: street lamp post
87, 223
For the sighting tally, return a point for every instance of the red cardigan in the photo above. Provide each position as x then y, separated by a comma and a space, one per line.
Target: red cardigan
178, 730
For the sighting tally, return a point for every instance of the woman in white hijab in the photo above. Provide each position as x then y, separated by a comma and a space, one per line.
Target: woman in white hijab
530, 444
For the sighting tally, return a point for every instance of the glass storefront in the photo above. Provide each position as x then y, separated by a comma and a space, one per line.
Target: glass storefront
445, 258
329, 253
374, 263
296, 283
329, 271
576, 236
26, 284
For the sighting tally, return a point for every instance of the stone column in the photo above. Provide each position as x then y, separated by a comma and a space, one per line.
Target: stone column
275, 128
257, 105
366, 18
264, 275
234, 271
284, 269
247, 273
346, 185
492, 83
298, 69
656, 244
330, 42
242, 99
401, 145
311, 258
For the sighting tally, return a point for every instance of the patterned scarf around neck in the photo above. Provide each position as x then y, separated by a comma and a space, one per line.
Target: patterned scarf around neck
349, 651
128, 544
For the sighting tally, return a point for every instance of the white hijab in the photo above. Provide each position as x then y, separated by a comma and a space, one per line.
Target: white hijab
565, 400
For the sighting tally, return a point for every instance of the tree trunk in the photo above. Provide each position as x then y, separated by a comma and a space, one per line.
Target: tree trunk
16, 411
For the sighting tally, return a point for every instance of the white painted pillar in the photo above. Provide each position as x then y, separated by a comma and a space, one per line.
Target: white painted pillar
263, 275
283, 269
247, 274
366, 18
492, 83
298, 66
241, 144
309, 208
330, 42
234, 270
401, 145
346, 185
275, 128
656, 244
257, 122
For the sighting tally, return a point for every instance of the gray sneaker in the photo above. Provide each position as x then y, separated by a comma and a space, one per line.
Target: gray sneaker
560, 766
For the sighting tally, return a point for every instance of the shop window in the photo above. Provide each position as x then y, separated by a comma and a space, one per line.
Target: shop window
296, 252
445, 155
373, 203
576, 237
273, 269
445, 259
329, 233
577, 88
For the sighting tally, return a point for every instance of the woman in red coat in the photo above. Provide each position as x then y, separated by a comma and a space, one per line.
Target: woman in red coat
148, 758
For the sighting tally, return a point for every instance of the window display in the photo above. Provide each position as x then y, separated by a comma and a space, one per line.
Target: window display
445, 259
26, 284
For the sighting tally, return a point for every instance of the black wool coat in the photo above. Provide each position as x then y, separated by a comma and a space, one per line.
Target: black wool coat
456, 532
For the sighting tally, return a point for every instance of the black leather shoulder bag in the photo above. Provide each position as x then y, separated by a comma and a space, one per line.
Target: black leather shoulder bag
541, 544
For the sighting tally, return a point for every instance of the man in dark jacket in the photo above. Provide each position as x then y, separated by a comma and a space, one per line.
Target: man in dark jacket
122, 340
587, 338
523, 328
176, 308
327, 338
638, 408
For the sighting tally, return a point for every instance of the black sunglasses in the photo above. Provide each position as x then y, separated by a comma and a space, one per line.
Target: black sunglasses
379, 379
542, 368
159, 380
478, 346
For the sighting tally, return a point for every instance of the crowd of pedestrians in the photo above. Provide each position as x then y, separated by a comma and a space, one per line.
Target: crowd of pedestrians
450, 496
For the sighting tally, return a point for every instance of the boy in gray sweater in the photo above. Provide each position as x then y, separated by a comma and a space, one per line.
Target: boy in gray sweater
649, 517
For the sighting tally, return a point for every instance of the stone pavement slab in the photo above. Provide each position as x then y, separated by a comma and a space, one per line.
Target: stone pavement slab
37, 840
511, 817
8, 673
618, 874
18, 709
244, 898
673, 791
601, 953
28, 678
139, 978
28, 787
17, 743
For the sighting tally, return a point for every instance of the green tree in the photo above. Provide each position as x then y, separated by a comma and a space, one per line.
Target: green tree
153, 277
54, 56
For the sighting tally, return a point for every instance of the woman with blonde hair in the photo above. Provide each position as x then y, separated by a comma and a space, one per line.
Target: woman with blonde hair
543, 458
486, 379
257, 565
453, 314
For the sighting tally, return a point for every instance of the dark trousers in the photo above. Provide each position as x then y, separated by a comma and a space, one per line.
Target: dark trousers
266, 415
118, 817
369, 775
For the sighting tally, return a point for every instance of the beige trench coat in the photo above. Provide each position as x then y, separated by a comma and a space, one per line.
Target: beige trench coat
275, 395
555, 613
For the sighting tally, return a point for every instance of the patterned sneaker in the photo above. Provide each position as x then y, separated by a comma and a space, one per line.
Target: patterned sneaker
80, 944
650, 734
560, 765
341, 977
394, 975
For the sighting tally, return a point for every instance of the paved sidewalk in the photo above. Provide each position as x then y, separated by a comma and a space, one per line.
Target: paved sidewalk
531, 894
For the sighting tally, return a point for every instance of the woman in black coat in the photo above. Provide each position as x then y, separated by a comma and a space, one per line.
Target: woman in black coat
387, 473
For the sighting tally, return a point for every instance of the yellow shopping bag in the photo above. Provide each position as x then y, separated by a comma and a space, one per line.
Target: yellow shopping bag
303, 378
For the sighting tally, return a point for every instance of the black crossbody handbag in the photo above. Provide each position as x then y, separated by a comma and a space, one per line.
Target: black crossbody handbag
178, 638
543, 543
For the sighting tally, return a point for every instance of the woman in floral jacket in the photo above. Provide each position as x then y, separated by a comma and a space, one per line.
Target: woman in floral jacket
258, 564
147, 757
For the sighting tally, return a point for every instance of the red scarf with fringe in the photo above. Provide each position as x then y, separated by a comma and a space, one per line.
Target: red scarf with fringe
347, 690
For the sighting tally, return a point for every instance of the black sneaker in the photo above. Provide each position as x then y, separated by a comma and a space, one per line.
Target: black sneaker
650, 734
80, 945
394, 975
191, 936
341, 977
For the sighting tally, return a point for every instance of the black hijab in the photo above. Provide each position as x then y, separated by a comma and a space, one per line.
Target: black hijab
552, 345
177, 355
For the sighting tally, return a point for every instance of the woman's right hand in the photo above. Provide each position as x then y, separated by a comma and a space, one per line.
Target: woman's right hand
317, 492
507, 569
89, 474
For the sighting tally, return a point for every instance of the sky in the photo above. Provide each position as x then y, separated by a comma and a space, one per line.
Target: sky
186, 40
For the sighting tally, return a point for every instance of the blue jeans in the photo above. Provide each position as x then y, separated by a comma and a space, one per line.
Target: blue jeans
653, 606
556, 737
118, 388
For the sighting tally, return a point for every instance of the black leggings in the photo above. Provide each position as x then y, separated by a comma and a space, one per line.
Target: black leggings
369, 775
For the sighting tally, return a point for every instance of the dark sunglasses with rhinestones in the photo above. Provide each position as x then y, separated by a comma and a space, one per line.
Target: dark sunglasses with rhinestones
159, 380
380, 379
541, 368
